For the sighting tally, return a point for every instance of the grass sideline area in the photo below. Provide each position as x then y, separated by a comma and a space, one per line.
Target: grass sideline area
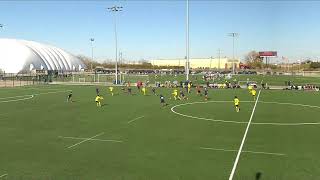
134, 138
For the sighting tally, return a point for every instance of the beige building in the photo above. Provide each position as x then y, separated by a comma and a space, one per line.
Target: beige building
214, 63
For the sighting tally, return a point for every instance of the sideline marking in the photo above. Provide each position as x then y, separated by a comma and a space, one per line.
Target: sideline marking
253, 152
135, 119
244, 138
93, 139
253, 123
87, 139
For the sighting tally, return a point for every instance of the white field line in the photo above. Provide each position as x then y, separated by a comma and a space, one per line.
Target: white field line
11, 97
52, 92
253, 123
88, 139
253, 152
206, 119
93, 139
3, 175
244, 139
293, 104
22, 99
53, 89
135, 119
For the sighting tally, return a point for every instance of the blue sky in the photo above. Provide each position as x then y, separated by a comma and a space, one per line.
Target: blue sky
156, 29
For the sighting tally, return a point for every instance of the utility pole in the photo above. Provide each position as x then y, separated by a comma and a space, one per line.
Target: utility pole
116, 9
187, 43
233, 35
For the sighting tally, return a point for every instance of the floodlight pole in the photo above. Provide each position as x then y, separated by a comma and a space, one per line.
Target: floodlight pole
187, 43
219, 56
91, 40
233, 35
115, 9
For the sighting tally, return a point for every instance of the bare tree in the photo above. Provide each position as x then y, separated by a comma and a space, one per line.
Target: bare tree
253, 60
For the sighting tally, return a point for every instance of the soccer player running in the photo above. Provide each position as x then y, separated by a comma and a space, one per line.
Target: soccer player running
253, 93
183, 96
175, 94
236, 103
189, 87
111, 90
154, 91
250, 87
162, 101
69, 97
98, 100
129, 88
199, 90
144, 91
206, 94
97, 91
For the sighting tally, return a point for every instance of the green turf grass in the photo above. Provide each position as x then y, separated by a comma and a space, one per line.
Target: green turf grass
160, 145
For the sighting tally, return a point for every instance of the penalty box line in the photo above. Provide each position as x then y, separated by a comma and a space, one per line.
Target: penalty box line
244, 138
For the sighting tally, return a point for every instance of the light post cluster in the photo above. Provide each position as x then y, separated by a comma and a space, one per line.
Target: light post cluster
116, 9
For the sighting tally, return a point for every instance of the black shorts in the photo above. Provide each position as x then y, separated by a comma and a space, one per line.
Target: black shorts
161, 101
237, 105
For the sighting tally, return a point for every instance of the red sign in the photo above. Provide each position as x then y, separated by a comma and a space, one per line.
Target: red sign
268, 53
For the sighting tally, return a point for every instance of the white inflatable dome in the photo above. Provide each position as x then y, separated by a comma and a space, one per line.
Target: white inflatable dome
22, 56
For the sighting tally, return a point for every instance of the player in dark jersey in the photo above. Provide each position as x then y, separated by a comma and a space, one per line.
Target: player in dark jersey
69, 97
129, 90
154, 91
206, 93
97, 91
182, 96
162, 101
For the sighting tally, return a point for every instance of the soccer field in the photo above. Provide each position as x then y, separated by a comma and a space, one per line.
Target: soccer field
134, 138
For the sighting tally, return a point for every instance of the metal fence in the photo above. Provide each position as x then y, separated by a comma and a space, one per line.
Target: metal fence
16, 80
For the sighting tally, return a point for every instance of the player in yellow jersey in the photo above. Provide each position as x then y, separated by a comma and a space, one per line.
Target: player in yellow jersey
175, 94
253, 93
250, 87
189, 87
236, 103
144, 90
98, 100
111, 90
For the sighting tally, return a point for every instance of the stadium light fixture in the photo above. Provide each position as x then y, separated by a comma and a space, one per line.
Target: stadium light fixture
233, 35
116, 9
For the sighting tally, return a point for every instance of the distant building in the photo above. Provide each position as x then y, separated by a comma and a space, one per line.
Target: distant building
198, 63
18, 56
